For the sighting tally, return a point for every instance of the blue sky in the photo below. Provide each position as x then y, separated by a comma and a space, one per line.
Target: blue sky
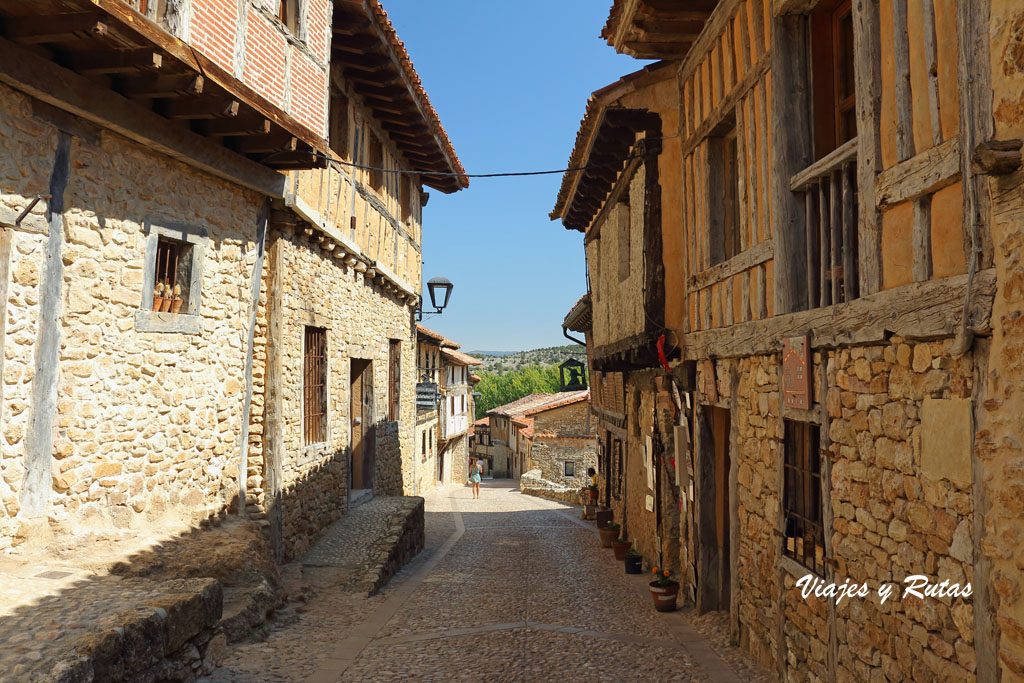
510, 82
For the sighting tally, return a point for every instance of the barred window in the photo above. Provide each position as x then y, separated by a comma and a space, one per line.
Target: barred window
314, 399
172, 276
804, 534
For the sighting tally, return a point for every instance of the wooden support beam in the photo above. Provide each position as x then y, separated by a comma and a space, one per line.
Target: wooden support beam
868, 88
921, 310
240, 125
116, 61
922, 239
903, 94
997, 157
201, 108
275, 142
54, 28
157, 87
742, 262
929, 171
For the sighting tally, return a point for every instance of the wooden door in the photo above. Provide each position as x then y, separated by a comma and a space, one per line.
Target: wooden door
363, 454
712, 488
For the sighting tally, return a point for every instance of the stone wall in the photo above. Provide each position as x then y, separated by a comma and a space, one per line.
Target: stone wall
318, 290
146, 423
550, 453
570, 420
425, 473
897, 502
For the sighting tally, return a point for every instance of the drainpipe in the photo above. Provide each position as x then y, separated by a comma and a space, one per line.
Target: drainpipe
565, 333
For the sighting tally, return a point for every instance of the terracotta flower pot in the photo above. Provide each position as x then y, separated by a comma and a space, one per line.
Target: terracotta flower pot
634, 564
607, 536
664, 596
176, 305
165, 305
158, 303
604, 518
620, 549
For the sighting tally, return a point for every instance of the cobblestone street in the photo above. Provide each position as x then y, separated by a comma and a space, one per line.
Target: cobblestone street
509, 587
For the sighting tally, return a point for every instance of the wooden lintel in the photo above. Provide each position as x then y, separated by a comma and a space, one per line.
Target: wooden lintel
922, 174
157, 87
997, 157
116, 61
240, 125
201, 108
54, 28
921, 310
824, 166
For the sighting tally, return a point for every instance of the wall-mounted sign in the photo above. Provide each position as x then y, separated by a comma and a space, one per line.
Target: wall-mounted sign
649, 503
796, 372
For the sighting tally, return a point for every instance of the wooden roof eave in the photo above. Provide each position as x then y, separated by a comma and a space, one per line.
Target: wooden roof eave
176, 81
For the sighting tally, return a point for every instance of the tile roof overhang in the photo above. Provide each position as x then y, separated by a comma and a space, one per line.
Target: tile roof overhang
427, 334
539, 403
459, 358
656, 29
579, 317
607, 134
122, 52
375, 61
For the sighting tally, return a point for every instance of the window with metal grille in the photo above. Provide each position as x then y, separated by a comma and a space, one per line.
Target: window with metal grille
804, 533
172, 276
314, 385
394, 378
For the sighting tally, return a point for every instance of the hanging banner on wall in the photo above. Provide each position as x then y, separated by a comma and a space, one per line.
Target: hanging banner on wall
796, 372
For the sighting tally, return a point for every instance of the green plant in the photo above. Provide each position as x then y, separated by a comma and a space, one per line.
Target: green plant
621, 539
632, 553
591, 488
613, 526
663, 577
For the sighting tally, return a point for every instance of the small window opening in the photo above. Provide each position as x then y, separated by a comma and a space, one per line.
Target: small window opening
172, 277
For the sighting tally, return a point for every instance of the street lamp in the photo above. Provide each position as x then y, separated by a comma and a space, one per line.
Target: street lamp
439, 288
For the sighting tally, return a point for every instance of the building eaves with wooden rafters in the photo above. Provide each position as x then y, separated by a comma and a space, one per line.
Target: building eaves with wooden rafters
99, 55
656, 29
372, 58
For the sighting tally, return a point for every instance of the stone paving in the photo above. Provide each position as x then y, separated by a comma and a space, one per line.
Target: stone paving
508, 588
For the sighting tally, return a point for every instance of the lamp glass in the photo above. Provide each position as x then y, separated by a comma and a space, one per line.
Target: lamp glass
439, 286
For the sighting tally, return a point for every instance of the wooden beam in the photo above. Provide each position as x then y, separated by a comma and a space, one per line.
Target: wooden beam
116, 61
921, 310
902, 88
54, 28
276, 142
157, 87
929, 171
241, 125
44, 80
728, 103
997, 157
759, 253
791, 152
868, 88
201, 108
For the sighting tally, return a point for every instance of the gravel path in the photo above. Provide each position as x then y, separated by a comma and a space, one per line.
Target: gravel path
508, 588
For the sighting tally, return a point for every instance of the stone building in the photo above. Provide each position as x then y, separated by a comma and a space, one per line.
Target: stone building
444, 405
204, 301
831, 385
549, 432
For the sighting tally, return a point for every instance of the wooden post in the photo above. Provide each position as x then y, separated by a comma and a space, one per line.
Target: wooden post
922, 239
826, 238
868, 85
791, 152
932, 63
837, 233
851, 283
901, 65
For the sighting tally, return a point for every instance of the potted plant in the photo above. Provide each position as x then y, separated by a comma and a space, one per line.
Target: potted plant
620, 546
663, 590
158, 296
609, 534
177, 300
634, 562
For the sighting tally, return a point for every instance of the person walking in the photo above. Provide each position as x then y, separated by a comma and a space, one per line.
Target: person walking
475, 470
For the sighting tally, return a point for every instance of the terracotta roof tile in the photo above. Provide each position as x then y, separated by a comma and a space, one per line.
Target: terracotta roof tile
459, 358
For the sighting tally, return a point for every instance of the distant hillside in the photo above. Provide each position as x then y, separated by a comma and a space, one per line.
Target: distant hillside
508, 361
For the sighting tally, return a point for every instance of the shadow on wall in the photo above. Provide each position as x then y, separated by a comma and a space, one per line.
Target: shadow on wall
157, 611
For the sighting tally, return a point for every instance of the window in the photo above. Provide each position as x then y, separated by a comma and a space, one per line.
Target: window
570, 469
423, 445
288, 13
835, 119
339, 123
405, 197
172, 276
624, 226
376, 161
314, 386
724, 205
394, 378
803, 535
